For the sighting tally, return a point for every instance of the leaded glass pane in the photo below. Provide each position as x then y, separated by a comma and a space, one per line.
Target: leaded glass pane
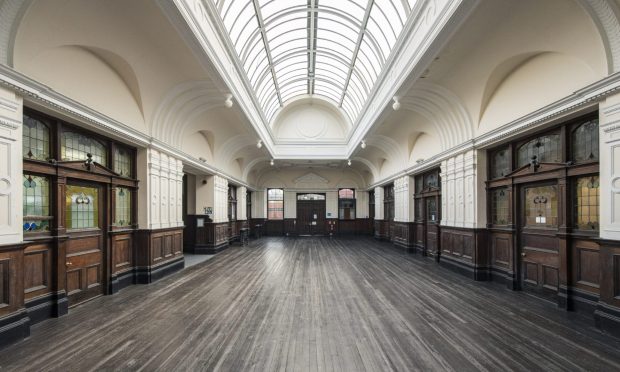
123, 207
431, 210
585, 142
431, 181
76, 146
311, 197
541, 206
500, 207
36, 203
82, 209
122, 162
35, 139
500, 163
346, 194
587, 203
544, 148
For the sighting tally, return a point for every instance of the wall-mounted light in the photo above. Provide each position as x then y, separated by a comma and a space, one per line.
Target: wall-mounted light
271, 162
259, 144
229, 102
349, 162
396, 104
202, 159
363, 144
419, 161
204, 181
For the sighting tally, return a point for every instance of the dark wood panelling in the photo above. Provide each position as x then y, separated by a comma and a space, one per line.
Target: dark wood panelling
158, 253
206, 236
404, 234
122, 252
37, 270
13, 318
586, 267
273, 227
466, 250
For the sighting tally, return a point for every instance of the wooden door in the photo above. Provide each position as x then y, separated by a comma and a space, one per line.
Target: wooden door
538, 244
432, 229
311, 217
85, 270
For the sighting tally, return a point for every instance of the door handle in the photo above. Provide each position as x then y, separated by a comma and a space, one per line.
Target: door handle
69, 263
523, 254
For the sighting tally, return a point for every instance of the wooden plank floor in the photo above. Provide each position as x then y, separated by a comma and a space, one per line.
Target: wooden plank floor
314, 304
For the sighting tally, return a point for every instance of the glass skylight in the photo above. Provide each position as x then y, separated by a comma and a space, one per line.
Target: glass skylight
335, 49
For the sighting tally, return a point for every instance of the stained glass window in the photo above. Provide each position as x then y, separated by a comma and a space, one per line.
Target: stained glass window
82, 210
418, 184
76, 146
275, 204
310, 196
35, 139
232, 203
431, 180
500, 207
587, 203
36, 203
419, 209
545, 148
585, 142
123, 207
122, 162
500, 163
541, 206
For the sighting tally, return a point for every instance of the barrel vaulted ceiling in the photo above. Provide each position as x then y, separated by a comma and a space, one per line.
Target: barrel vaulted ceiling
333, 49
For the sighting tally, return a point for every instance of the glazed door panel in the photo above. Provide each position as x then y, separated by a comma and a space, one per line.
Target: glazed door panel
432, 229
311, 217
84, 259
539, 257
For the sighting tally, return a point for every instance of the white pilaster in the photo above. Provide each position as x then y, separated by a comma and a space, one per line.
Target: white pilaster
609, 144
11, 167
379, 213
361, 204
242, 205
331, 204
290, 204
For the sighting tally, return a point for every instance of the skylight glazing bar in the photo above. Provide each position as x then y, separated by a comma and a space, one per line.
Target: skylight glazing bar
357, 48
312, 31
261, 26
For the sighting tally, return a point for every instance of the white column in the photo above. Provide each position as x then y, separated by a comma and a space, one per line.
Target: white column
220, 199
160, 196
11, 167
331, 204
290, 204
379, 213
403, 200
361, 204
259, 204
242, 205
463, 190
609, 149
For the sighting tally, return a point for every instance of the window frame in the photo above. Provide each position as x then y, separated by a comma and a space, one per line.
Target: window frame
342, 200
275, 200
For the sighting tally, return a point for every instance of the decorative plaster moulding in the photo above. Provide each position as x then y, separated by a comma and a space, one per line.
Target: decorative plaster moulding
311, 178
581, 100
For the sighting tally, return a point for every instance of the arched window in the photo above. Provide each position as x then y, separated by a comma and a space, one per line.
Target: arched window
35, 139
76, 146
545, 148
585, 142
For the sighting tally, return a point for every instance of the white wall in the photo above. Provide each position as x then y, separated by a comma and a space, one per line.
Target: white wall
259, 204
290, 204
11, 191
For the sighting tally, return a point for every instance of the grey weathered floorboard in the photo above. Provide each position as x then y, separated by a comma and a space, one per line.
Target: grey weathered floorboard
319, 305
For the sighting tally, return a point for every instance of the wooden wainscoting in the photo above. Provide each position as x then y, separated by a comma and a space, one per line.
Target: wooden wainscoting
501, 252
584, 274
42, 297
14, 322
404, 235
607, 314
274, 227
122, 259
382, 230
466, 250
202, 236
158, 253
